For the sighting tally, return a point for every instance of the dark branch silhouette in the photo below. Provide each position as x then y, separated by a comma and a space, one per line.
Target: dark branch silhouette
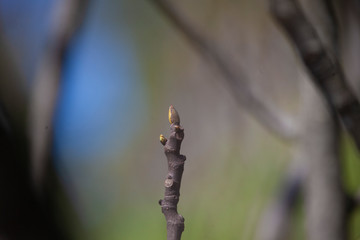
24, 214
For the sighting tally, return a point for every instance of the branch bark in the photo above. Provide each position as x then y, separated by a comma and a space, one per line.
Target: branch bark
174, 221
261, 108
324, 68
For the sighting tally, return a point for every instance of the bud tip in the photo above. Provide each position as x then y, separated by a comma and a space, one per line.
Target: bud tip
173, 115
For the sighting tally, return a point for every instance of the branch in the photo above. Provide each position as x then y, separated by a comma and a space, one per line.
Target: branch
326, 72
324, 195
261, 108
23, 213
325, 213
174, 221
68, 17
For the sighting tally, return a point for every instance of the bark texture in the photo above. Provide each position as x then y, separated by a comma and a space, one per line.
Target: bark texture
174, 221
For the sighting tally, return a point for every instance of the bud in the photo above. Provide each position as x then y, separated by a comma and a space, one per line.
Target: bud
163, 140
173, 116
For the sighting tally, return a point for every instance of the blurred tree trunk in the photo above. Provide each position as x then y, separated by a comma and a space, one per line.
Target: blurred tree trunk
28, 203
319, 147
319, 143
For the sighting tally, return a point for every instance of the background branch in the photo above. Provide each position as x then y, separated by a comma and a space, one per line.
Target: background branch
318, 146
260, 107
323, 66
24, 214
325, 214
68, 16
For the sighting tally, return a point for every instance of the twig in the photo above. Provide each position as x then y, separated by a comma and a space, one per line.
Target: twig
326, 72
260, 107
174, 221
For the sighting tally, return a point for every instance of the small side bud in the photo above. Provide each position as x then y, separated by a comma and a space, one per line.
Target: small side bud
173, 116
163, 139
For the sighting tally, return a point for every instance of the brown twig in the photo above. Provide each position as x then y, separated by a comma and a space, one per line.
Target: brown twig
326, 72
174, 221
261, 108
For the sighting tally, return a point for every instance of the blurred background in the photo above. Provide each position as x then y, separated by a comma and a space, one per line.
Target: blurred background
124, 66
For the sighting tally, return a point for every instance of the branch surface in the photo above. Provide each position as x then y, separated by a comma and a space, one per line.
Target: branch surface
261, 108
174, 221
324, 68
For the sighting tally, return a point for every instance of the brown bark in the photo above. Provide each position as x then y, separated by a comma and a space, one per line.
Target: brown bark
174, 221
